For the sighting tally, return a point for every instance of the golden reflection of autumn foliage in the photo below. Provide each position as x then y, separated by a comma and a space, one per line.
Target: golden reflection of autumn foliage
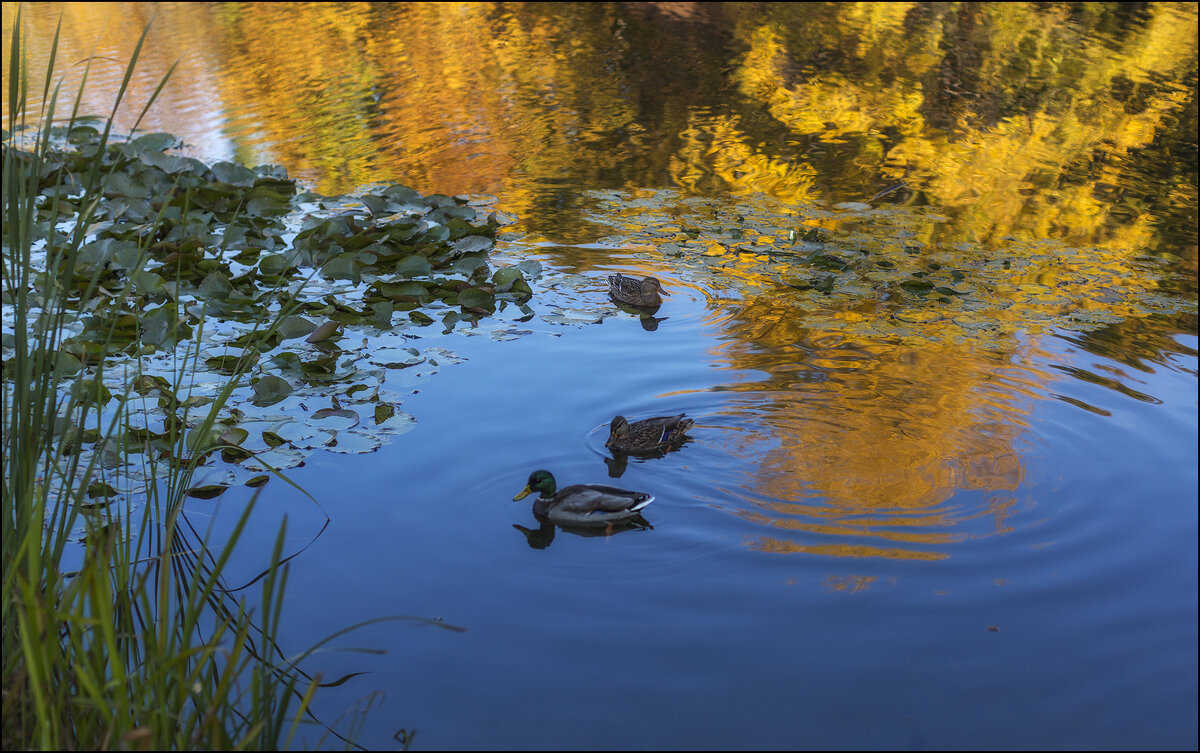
874, 438
1027, 119
188, 27
713, 154
1018, 118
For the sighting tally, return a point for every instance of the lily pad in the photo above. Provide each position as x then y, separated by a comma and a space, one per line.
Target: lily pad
413, 265
477, 300
473, 244
337, 418
279, 458
270, 389
208, 491
295, 326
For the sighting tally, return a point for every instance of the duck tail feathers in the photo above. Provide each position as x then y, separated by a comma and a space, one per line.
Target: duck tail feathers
642, 502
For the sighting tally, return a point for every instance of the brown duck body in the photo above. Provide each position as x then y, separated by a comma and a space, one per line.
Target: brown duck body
649, 435
645, 292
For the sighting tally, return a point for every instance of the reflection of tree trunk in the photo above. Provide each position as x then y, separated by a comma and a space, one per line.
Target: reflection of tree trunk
959, 69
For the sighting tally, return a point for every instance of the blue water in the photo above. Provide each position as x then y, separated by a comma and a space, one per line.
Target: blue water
869, 542
1075, 626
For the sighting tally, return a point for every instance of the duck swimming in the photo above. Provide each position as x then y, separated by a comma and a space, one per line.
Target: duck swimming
582, 504
644, 292
649, 435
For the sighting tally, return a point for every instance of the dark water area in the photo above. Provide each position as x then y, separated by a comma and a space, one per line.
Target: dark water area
933, 309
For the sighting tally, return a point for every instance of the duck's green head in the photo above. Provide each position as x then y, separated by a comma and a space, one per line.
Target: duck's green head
616, 430
539, 481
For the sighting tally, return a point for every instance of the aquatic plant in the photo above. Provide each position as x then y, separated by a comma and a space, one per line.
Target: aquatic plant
121, 263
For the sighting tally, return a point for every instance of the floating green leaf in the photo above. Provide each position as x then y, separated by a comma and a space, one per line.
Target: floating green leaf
235, 435
270, 389
234, 174
231, 364
413, 265
420, 317
381, 314
344, 413
383, 412
917, 286
295, 326
201, 439
412, 292
478, 300
90, 392
505, 277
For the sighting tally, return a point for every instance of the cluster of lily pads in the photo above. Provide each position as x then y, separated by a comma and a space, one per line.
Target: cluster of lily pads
871, 271
191, 275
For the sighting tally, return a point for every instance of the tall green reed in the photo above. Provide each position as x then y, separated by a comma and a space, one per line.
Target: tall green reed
136, 643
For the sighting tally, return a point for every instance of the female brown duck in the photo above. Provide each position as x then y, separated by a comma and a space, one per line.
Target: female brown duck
649, 435
644, 292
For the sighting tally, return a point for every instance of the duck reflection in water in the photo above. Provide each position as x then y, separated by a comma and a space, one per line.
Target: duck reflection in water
645, 315
540, 537
650, 323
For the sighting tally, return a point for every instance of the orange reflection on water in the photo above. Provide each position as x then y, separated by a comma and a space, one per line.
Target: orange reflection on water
783, 546
877, 439
1015, 119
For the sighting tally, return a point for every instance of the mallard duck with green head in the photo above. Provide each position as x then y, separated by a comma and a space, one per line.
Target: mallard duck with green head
582, 504
649, 435
644, 292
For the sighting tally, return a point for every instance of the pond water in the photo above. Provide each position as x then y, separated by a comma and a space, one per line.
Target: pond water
932, 276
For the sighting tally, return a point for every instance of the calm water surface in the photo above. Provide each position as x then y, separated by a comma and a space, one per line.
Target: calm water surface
902, 521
